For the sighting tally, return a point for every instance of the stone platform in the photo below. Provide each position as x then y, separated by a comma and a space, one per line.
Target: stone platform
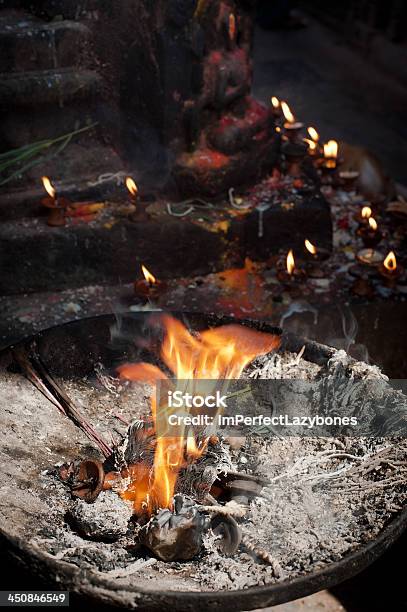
111, 248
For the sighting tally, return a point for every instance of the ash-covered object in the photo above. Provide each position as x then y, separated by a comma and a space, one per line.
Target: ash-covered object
106, 519
198, 478
176, 535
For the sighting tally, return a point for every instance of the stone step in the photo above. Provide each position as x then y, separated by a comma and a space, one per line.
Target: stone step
110, 249
31, 45
66, 9
85, 170
35, 257
57, 87
64, 101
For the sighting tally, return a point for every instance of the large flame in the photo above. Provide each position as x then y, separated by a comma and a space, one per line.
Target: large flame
215, 354
287, 112
390, 262
48, 186
366, 212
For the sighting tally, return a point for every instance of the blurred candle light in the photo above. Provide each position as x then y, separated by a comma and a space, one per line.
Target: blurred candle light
310, 247
330, 154
290, 262
313, 134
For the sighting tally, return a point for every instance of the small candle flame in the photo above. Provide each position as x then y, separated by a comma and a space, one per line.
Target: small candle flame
310, 247
148, 276
275, 102
232, 26
366, 212
390, 262
372, 223
287, 112
49, 188
331, 149
313, 134
312, 145
131, 186
290, 262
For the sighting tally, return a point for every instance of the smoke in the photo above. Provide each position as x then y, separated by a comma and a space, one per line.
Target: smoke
350, 329
335, 326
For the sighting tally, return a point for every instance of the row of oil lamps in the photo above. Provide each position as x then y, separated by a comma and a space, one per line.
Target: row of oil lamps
325, 157
388, 269
151, 288
294, 149
59, 207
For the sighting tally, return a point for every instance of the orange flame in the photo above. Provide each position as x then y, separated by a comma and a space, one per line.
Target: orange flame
366, 212
290, 262
313, 134
287, 112
312, 145
131, 186
390, 262
372, 224
232, 26
275, 102
215, 354
310, 247
148, 276
48, 186
331, 149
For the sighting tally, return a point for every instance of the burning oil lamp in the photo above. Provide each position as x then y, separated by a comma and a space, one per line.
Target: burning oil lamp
56, 205
139, 213
290, 262
370, 234
132, 189
149, 286
312, 146
318, 253
291, 273
291, 126
313, 134
363, 215
312, 141
390, 270
275, 103
330, 155
313, 267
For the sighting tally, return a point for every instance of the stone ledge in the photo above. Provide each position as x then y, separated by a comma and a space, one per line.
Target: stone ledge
35, 257
38, 88
41, 46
